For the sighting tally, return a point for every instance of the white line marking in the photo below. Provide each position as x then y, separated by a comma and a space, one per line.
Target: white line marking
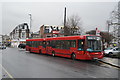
7, 72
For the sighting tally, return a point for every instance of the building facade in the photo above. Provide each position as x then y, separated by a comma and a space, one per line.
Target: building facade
19, 34
6, 40
35, 34
51, 31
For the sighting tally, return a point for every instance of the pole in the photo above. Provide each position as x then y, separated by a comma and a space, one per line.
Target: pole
30, 20
108, 26
65, 28
119, 25
30, 23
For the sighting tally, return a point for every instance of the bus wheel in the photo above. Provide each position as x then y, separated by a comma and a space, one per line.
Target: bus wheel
53, 54
73, 56
30, 50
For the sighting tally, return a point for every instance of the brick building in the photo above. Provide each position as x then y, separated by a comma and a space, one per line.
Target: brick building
51, 31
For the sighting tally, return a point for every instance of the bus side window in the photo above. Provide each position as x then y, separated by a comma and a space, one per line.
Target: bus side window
62, 44
58, 44
48, 43
37, 43
40, 43
27, 43
66, 44
53, 43
33, 43
30, 43
73, 43
44, 44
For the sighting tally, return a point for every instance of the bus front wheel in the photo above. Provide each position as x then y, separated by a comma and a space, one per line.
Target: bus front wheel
30, 51
53, 54
73, 56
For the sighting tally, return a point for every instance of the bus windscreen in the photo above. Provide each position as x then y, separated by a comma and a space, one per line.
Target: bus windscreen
94, 43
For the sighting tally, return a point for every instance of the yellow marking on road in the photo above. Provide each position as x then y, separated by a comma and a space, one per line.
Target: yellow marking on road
7, 72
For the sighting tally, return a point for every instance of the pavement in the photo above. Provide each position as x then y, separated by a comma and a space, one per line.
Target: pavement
112, 61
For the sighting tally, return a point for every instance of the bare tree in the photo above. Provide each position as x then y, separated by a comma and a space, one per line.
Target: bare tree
73, 25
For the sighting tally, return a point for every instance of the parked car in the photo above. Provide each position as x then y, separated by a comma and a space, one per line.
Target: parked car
2, 47
22, 46
112, 51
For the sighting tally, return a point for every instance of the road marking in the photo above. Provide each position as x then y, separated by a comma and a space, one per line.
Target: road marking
7, 72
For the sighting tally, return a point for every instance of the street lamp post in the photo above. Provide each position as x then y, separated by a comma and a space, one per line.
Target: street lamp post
65, 28
30, 23
119, 24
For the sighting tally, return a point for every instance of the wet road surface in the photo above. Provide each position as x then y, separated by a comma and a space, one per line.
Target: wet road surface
22, 64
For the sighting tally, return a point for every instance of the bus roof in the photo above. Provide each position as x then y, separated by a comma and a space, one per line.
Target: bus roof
61, 38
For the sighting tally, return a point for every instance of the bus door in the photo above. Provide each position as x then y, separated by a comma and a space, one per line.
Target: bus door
43, 47
64, 47
81, 46
48, 47
73, 46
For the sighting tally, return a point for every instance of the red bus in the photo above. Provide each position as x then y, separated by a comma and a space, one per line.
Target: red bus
84, 47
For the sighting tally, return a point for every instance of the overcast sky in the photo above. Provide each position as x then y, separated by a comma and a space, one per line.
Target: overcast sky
93, 14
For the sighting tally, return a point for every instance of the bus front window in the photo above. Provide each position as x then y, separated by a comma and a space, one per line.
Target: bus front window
94, 44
